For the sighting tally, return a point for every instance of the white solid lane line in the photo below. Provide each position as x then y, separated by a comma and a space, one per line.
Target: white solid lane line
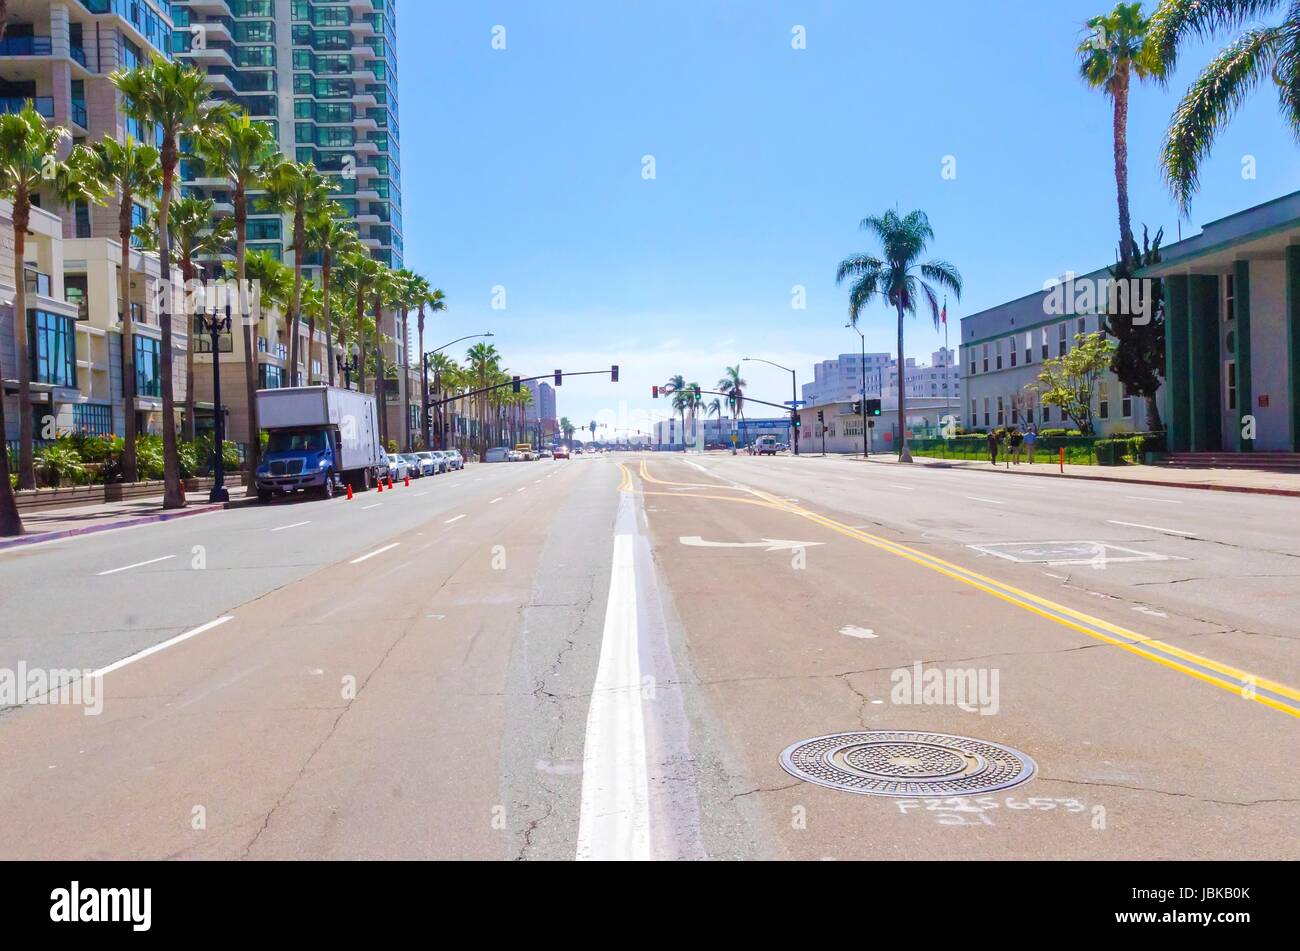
369, 507
285, 528
1138, 498
141, 564
1153, 528
905, 488
976, 498
614, 822
378, 551
452, 521
163, 646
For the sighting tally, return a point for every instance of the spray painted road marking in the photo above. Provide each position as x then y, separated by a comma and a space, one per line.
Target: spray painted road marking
163, 646
1154, 528
285, 528
142, 564
861, 633
375, 553
614, 823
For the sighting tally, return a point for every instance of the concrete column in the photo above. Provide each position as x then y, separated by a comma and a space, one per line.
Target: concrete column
1205, 387
1241, 332
1177, 406
1293, 342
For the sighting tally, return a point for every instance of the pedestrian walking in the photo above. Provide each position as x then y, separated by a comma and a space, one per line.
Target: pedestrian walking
1017, 444
1031, 443
993, 446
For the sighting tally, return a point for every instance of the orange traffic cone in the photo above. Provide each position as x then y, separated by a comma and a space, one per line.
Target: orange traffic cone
408, 482
349, 491
381, 486
390, 483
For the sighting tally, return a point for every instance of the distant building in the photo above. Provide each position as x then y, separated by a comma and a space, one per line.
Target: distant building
844, 427
842, 379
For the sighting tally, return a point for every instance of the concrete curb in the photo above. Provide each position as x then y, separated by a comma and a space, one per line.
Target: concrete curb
1240, 489
39, 538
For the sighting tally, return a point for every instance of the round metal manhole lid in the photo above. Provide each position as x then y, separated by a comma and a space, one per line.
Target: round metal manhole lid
907, 764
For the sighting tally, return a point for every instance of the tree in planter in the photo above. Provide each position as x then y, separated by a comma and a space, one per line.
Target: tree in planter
1139, 358
133, 172
196, 233
30, 165
1070, 382
243, 152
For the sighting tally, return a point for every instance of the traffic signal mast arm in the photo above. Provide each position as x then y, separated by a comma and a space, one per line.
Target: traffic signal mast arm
516, 381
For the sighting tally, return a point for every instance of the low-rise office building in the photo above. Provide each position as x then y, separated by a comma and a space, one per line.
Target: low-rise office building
843, 425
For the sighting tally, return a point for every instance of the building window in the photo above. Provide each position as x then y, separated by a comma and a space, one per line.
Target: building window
1103, 401
1230, 298
270, 377
148, 367
1126, 404
92, 419
999, 355
986, 358
974, 413
986, 411
1063, 340
1083, 325
1014, 356
53, 349
1230, 382
1029, 349
1047, 414
1002, 411
1044, 341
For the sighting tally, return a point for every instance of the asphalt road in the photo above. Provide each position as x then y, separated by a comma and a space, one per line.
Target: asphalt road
606, 658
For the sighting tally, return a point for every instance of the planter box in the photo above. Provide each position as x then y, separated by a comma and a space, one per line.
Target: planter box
74, 496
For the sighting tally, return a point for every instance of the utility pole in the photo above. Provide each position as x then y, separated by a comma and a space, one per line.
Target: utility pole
866, 435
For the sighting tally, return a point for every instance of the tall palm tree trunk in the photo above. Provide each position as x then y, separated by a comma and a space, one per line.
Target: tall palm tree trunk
26, 455
187, 275
130, 468
253, 432
326, 268
173, 492
405, 387
424, 384
904, 453
1126, 241
295, 319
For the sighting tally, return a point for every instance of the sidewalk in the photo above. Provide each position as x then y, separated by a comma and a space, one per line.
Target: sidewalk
55, 524
1254, 481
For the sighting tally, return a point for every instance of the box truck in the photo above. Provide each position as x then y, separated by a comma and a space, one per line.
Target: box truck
320, 438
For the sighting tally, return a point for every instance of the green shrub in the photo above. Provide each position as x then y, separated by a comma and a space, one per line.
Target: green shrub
60, 464
149, 458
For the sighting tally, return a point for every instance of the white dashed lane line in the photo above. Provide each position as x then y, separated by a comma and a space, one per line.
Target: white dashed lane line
140, 564
376, 552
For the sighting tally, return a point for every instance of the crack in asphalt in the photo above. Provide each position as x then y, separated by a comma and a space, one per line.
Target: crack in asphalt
1166, 792
766, 789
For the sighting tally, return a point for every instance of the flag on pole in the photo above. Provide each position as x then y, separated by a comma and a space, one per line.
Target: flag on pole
945, 312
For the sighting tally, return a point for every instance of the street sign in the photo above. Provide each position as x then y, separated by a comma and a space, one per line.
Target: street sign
797, 404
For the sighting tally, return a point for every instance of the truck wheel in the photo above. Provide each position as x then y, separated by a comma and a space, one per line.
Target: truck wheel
328, 488
265, 495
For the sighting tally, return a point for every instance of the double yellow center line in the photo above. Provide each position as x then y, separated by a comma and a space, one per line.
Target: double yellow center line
1249, 686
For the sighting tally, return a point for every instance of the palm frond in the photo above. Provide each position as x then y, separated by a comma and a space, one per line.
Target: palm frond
1178, 20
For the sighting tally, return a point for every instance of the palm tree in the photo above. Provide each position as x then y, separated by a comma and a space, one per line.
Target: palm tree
1115, 52
484, 361
406, 297
898, 278
357, 271
30, 165
243, 152
567, 430
434, 301
447, 377
1259, 53
4, 17
331, 236
173, 98
734, 386
298, 190
196, 233
386, 292
133, 172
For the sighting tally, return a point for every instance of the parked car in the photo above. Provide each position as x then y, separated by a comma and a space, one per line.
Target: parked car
546, 454
454, 459
561, 453
398, 467
500, 454
429, 463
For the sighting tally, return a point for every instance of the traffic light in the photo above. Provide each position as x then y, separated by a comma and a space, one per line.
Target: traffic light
559, 378
873, 408
697, 392
821, 416
613, 374
515, 384
798, 422
656, 392
857, 407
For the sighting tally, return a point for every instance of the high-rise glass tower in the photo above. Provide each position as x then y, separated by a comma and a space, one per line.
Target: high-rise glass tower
323, 74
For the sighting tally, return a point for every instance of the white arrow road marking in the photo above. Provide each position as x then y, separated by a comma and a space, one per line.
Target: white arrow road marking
771, 544
861, 633
1146, 610
614, 822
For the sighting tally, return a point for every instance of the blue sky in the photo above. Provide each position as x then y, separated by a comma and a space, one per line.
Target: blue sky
522, 169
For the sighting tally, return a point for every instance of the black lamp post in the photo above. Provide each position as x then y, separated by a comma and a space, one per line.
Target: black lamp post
347, 366
216, 326
794, 397
424, 388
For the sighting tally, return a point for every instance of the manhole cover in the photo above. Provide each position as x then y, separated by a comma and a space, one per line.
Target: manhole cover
907, 764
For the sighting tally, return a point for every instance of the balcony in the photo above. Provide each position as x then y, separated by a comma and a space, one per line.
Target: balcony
36, 282
78, 114
44, 104
26, 46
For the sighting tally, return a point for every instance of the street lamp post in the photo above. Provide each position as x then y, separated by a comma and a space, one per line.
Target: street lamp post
347, 366
862, 403
424, 386
794, 395
215, 326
